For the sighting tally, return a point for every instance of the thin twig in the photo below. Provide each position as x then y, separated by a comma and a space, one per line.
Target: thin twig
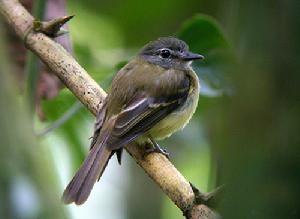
62, 120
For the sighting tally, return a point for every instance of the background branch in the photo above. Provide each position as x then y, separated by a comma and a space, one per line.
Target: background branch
160, 169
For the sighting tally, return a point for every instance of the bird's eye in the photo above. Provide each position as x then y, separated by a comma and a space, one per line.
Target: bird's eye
165, 53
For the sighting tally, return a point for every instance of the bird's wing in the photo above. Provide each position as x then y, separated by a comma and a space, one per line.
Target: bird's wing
141, 114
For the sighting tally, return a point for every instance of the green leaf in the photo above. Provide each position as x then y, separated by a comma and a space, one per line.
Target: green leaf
204, 35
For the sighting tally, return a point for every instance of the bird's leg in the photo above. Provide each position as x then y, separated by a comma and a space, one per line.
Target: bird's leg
156, 148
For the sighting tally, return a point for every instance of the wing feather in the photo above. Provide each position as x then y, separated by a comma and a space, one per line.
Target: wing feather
140, 115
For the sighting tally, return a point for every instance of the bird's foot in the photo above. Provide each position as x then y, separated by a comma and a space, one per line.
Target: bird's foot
156, 148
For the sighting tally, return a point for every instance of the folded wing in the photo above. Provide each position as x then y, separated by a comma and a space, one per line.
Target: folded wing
141, 114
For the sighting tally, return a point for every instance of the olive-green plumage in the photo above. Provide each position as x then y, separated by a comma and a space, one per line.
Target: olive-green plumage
151, 97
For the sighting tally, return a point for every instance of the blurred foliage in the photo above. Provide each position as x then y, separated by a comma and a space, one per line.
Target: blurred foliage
204, 35
32, 61
70, 131
255, 133
27, 180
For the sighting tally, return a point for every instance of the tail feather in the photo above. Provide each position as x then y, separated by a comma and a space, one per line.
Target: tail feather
79, 189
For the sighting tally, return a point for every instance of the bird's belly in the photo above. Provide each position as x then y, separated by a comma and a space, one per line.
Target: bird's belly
177, 119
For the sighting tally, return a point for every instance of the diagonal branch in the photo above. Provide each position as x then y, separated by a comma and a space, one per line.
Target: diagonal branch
160, 169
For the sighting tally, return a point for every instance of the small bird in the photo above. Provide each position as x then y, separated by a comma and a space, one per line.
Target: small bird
151, 97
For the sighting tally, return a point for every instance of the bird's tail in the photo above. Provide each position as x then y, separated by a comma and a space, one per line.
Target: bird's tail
79, 189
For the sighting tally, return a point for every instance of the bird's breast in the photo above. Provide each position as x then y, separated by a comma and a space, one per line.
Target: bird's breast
181, 116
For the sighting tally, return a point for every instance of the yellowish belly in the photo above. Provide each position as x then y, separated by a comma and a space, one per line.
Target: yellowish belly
178, 119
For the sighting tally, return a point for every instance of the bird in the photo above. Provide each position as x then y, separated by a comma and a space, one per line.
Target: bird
151, 97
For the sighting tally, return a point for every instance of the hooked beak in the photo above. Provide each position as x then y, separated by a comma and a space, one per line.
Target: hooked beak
189, 56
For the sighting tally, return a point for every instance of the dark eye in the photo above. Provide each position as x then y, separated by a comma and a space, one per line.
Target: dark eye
165, 53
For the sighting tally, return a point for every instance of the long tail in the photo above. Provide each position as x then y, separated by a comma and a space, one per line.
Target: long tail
79, 189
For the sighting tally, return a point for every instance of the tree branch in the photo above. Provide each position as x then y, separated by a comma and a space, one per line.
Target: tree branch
160, 169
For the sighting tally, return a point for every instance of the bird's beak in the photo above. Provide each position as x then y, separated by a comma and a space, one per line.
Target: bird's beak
189, 56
